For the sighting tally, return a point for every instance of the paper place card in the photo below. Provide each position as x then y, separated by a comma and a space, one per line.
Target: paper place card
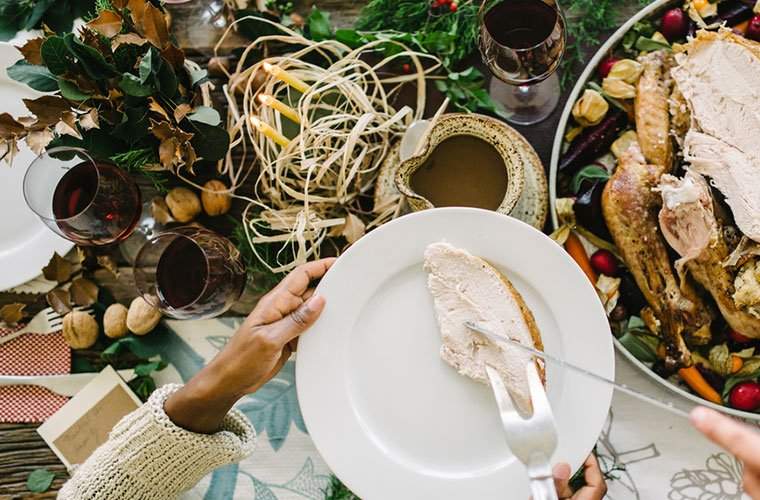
83, 424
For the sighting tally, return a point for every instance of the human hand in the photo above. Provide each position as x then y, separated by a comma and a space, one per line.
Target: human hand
595, 487
254, 354
738, 439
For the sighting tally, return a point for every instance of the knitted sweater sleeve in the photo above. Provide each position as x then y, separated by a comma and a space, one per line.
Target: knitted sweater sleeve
147, 456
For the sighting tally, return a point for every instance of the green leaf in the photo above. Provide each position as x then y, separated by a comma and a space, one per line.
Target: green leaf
37, 77
39, 480
126, 55
204, 114
81, 365
134, 124
210, 143
318, 25
352, 38
648, 45
198, 75
92, 61
39, 10
55, 55
167, 80
636, 346
70, 91
148, 64
131, 85
143, 387
589, 173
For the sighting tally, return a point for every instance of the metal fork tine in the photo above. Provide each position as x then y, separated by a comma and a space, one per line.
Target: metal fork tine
537, 393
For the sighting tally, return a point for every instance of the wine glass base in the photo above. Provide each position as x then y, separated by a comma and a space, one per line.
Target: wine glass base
527, 104
147, 227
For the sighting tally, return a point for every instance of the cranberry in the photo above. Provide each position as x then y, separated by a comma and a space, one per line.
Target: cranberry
745, 396
738, 337
606, 66
604, 262
753, 30
674, 24
453, 7
407, 68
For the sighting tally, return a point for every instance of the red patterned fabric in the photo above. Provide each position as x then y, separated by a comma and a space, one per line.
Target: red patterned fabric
32, 354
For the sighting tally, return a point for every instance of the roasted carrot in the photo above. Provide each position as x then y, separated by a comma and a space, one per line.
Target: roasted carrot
736, 363
697, 382
575, 248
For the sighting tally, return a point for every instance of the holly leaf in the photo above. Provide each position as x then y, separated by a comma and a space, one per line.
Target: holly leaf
40, 480
205, 114
210, 143
12, 313
31, 50
47, 108
60, 300
154, 26
37, 77
131, 85
58, 269
70, 91
55, 55
84, 292
108, 23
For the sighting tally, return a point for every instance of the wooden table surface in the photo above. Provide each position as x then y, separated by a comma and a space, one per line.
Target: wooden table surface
21, 448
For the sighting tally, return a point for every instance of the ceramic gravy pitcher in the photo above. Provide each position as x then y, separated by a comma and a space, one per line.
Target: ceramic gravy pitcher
488, 129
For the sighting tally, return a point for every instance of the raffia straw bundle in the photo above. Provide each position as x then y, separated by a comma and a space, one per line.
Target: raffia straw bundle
310, 189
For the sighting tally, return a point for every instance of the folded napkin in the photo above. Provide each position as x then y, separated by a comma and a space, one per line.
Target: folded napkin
32, 354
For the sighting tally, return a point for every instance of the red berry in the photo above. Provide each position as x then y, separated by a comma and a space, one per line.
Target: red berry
606, 66
753, 30
435, 4
453, 7
745, 396
407, 68
604, 262
738, 337
674, 24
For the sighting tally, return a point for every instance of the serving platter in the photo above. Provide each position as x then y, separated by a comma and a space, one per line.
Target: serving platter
393, 420
26, 244
652, 11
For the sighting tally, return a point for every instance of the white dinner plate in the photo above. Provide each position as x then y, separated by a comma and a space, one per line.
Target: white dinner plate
394, 421
26, 244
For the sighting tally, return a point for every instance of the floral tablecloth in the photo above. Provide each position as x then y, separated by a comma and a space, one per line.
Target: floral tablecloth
648, 453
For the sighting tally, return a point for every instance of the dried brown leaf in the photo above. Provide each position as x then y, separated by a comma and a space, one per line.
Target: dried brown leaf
37, 140
165, 130
181, 111
12, 313
58, 269
132, 38
160, 210
189, 156
90, 119
154, 26
353, 229
9, 127
60, 300
153, 105
84, 292
137, 11
167, 152
8, 150
31, 50
68, 125
108, 23
174, 56
109, 264
47, 108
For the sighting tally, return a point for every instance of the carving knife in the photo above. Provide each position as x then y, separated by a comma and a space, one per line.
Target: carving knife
577, 369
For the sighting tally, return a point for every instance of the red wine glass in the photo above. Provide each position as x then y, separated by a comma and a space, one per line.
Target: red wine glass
190, 273
86, 201
522, 43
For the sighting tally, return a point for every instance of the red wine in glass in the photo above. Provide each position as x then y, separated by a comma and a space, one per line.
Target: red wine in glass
93, 203
190, 273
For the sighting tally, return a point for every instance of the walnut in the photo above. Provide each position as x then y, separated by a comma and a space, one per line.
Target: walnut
216, 201
80, 330
115, 321
142, 317
183, 204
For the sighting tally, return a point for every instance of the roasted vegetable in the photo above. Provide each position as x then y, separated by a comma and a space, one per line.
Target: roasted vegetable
593, 142
588, 209
732, 13
697, 382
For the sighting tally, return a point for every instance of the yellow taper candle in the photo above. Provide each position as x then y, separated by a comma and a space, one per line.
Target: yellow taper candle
286, 77
269, 132
284, 109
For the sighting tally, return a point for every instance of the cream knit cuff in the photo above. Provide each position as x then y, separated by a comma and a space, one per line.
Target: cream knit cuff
147, 456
